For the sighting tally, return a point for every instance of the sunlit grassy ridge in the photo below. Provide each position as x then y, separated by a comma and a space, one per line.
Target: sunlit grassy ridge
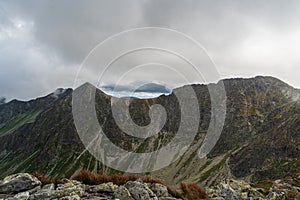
18, 121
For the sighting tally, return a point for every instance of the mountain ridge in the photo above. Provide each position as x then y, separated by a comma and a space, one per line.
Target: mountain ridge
41, 134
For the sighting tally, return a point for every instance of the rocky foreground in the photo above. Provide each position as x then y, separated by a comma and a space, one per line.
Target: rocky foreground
265, 190
26, 186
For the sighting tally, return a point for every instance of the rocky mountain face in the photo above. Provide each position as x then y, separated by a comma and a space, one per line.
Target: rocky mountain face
260, 138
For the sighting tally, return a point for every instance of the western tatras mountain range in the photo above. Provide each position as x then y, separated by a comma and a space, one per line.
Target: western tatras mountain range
260, 138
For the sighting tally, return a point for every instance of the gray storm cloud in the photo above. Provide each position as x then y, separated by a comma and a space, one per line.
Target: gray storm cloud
42, 43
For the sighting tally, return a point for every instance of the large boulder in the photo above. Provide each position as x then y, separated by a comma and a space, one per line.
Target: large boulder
18, 183
139, 193
70, 188
139, 190
234, 190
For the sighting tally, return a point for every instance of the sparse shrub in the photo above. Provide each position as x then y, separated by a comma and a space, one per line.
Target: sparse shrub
192, 191
121, 179
89, 178
101, 178
174, 192
44, 180
149, 179
293, 195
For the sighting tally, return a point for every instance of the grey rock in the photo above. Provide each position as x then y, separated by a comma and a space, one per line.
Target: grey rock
44, 194
139, 193
159, 189
6, 196
141, 185
122, 193
34, 190
18, 183
234, 190
73, 197
105, 187
167, 198
22, 196
70, 188
49, 187
277, 196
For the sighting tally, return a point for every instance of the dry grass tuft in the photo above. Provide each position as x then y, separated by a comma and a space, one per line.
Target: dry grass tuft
192, 191
44, 180
121, 179
149, 179
90, 178
293, 195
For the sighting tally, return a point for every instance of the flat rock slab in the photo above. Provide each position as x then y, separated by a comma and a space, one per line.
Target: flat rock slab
18, 183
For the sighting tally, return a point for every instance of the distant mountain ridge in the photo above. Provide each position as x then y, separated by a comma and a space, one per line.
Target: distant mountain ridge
140, 90
146, 87
260, 139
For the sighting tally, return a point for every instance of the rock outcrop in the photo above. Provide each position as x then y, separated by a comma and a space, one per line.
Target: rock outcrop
18, 183
27, 187
286, 189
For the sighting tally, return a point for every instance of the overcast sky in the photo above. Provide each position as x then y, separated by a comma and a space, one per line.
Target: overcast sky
42, 43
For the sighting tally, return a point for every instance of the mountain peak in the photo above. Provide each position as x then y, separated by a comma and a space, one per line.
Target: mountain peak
2, 100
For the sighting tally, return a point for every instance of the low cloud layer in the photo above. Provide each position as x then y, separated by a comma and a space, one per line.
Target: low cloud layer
136, 89
42, 43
